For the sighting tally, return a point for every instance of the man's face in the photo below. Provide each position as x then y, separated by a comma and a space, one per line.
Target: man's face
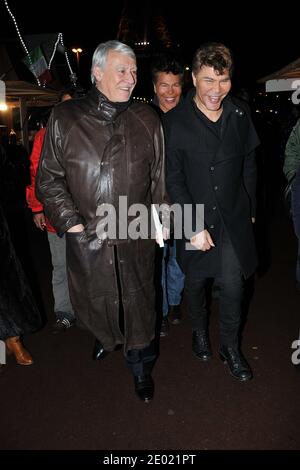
118, 78
211, 88
168, 90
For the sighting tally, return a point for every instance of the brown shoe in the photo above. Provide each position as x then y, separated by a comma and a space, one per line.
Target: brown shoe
22, 356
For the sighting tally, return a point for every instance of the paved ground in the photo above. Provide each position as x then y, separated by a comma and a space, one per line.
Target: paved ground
67, 401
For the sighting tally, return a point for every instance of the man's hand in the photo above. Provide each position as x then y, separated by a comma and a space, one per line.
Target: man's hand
39, 220
202, 241
76, 228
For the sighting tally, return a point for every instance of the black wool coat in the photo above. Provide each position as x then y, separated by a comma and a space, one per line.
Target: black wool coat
217, 170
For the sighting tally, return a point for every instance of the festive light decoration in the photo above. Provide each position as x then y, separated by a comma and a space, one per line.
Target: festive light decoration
20, 37
59, 40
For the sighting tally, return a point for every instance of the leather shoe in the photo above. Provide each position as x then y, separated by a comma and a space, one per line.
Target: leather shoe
238, 366
14, 345
201, 345
99, 352
144, 387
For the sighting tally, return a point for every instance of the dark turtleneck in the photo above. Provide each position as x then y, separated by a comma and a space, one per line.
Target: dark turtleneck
110, 109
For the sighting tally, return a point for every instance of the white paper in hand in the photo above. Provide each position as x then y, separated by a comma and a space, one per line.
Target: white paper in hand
158, 227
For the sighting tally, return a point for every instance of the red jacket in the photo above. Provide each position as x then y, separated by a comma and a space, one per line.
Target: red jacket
33, 203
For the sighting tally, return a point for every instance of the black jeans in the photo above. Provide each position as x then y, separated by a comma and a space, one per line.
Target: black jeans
230, 298
141, 361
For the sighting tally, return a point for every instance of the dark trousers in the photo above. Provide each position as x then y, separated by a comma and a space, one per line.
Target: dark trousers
230, 298
141, 361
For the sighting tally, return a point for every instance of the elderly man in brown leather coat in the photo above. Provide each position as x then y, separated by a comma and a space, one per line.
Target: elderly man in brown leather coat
96, 149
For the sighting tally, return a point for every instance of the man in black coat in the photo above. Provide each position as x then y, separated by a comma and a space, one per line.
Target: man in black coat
210, 143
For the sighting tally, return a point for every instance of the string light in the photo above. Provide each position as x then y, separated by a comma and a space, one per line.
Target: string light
21, 39
58, 40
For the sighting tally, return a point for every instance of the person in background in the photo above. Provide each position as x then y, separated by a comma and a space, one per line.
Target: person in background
19, 314
291, 171
167, 78
63, 310
210, 147
95, 150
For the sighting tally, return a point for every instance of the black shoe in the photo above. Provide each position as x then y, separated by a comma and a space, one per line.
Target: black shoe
61, 325
164, 328
201, 345
174, 314
144, 387
238, 366
99, 352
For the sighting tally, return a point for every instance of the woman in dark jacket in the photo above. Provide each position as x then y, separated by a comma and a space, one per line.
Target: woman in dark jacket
18, 312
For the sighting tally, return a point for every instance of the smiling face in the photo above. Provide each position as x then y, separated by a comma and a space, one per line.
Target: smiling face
168, 90
211, 89
118, 78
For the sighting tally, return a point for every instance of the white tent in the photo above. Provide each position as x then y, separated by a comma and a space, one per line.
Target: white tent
20, 94
285, 79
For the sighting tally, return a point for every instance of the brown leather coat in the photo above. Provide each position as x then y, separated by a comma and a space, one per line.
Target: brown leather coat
95, 151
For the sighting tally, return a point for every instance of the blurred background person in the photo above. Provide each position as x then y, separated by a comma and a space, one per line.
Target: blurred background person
167, 77
63, 310
292, 174
19, 314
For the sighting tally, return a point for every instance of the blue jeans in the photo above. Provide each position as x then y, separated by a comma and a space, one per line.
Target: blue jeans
295, 201
62, 304
172, 278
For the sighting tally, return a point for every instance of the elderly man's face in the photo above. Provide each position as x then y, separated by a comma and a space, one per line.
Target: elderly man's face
118, 79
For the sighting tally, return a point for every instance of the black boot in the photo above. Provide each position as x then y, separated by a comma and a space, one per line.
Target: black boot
238, 366
144, 387
99, 352
201, 345
164, 327
174, 314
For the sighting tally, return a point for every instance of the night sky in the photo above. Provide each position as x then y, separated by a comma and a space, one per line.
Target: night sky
262, 42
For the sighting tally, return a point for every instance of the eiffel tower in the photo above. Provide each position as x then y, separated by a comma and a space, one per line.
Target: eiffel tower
143, 27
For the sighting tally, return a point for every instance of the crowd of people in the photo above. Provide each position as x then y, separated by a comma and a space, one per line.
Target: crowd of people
190, 151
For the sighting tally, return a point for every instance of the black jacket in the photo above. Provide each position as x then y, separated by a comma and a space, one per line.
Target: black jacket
218, 171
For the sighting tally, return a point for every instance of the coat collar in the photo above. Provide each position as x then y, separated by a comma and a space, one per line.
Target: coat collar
230, 108
108, 109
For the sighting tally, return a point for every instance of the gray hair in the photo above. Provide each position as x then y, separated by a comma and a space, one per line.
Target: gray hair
101, 52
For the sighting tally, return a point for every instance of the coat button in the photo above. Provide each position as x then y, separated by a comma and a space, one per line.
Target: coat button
212, 168
214, 208
215, 188
212, 226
